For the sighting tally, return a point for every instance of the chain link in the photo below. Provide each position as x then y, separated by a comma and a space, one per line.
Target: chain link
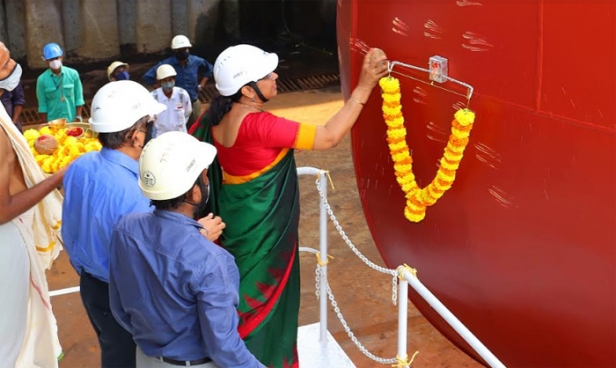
320, 278
394, 290
317, 278
346, 327
349, 243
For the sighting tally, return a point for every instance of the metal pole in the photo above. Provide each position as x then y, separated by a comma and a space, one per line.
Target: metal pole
454, 322
307, 170
403, 304
323, 257
74, 289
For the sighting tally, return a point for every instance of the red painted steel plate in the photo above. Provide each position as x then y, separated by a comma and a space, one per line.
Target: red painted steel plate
522, 248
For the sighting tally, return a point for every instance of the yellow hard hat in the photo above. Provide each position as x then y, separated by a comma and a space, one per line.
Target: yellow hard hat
115, 65
165, 71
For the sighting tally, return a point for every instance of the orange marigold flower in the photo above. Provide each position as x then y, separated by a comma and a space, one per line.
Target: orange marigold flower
392, 117
457, 142
391, 105
461, 127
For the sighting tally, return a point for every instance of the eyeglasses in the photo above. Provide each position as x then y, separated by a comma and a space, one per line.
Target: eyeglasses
207, 192
147, 125
269, 76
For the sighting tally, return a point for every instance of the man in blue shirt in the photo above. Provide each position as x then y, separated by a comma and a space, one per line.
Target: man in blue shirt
171, 287
100, 188
14, 102
188, 68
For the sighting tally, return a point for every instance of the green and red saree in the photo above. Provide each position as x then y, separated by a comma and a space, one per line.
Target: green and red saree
257, 195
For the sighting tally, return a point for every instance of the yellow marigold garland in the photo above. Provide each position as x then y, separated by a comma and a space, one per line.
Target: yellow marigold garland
418, 199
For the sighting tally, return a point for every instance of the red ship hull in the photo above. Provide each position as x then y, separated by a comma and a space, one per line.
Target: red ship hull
522, 248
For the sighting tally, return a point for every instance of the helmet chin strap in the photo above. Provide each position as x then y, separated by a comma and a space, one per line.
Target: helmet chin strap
192, 204
205, 196
258, 91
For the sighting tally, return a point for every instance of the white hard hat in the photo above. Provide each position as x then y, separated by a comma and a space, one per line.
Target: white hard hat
240, 65
115, 65
119, 105
165, 71
171, 163
180, 42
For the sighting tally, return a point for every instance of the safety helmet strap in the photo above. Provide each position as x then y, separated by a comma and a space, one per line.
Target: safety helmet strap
258, 91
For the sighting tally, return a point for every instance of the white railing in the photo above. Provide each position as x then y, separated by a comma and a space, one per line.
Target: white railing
322, 253
407, 276
74, 289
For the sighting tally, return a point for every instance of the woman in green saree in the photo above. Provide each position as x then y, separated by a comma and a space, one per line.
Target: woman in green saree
254, 188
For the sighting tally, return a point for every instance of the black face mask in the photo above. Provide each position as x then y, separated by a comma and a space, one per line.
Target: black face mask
148, 133
182, 55
205, 197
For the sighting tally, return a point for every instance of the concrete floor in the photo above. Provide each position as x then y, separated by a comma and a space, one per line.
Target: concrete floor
363, 295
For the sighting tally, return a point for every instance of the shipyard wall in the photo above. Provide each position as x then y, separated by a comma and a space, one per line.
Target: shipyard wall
98, 30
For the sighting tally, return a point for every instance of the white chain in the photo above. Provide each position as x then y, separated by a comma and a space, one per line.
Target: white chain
346, 327
320, 277
374, 266
394, 289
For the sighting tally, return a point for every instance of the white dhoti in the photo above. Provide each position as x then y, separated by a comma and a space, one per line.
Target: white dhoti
28, 245
14, 293
28, 330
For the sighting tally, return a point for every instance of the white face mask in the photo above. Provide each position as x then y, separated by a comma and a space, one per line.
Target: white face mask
10, 83
55, 64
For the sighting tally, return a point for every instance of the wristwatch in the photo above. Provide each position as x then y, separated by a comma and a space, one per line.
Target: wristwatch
80, 119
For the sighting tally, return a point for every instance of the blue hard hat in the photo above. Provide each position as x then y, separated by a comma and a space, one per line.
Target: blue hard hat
52, 51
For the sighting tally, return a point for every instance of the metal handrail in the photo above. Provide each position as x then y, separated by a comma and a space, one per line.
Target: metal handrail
470, 89
408, 278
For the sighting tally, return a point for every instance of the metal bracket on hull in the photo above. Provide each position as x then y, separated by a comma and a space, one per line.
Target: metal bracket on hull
437, 73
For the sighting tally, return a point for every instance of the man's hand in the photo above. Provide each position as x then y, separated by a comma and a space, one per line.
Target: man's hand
63, 170
17, 113
213, 225
13, 205
202, 83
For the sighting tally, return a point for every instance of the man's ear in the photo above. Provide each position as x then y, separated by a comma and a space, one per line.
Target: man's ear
131, 138
194, 195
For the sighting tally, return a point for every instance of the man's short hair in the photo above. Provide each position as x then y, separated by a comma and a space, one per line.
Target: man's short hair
115, 140
169, 204
173, 203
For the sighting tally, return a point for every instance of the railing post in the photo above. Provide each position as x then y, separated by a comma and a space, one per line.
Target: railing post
322, 255
403, 302
323, 258
453, 321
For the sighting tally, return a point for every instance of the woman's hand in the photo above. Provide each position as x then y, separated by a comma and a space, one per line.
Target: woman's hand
373, 69
213, 226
